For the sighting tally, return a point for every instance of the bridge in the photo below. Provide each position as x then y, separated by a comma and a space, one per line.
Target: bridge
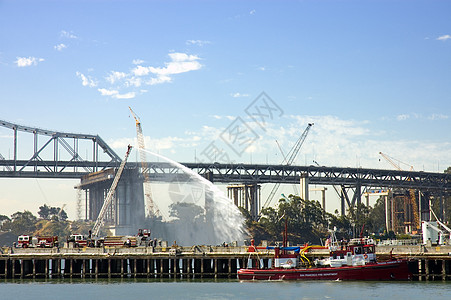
52, 154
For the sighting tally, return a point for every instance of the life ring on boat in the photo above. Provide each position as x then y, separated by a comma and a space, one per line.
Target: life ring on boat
365, 256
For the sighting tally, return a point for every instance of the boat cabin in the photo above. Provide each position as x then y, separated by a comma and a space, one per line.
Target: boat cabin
357, 252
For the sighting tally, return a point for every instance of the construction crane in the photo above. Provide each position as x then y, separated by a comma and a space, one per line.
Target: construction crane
412, 196
98, 224
289, 159
152, 209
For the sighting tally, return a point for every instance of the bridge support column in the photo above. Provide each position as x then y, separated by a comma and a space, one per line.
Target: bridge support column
126, 212
247, 196
304, 182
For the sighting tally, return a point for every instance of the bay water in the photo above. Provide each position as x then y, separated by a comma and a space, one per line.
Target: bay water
135, 289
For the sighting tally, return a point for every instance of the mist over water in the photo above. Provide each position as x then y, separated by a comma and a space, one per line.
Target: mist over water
195, 211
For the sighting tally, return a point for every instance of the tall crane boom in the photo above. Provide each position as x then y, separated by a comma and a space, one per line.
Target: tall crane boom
152, 209
412, 196
391, 160
295, 150
98, 224
291, 157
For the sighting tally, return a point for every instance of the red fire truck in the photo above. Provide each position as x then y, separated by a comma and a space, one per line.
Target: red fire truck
25, 241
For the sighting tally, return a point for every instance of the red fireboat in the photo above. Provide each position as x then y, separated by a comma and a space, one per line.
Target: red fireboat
353, 260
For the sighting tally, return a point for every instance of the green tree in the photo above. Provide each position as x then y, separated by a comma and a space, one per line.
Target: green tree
377, 217
52, 213
255, 229
52, 227
342, 224
44, 212
186, 212
21, 223
306, 221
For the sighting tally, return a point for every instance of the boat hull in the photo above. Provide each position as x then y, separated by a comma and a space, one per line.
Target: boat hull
390, 270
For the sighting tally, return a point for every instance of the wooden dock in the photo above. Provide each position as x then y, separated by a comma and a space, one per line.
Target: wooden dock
426, 263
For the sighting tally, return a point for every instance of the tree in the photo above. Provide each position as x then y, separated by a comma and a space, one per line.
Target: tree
186, 211
44, 212
306, 221
21, 223
377, 217
52, 228
255, 229
51, 213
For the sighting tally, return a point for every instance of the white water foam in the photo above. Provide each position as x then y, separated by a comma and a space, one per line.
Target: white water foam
221, 222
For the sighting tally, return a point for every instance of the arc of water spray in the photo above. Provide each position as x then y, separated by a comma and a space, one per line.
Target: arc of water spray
240, 228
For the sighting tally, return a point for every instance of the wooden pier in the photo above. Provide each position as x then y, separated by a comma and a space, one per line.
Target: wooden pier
194, 262
203, 262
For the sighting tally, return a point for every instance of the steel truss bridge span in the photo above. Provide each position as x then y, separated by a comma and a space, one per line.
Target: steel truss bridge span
240, 173
50, 151
251, 173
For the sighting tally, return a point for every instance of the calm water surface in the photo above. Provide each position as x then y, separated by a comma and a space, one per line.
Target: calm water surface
219, 289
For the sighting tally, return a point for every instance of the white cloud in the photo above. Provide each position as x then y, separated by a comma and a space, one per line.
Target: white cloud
332, 141
159, 79
115, 94
106, 92
141, 71
217, 117
28, 61
438, 117
60, 47
115, 76
261, 68
181, 63
252, 12
86, 80
133, 82
402, 117
444, 37
197, 42
129, 95
68, 35
138, 61
239, 95
140, 75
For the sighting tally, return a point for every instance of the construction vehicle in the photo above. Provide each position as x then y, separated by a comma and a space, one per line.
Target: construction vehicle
412, 197
288, 160
152, 209
28, 241
100, 219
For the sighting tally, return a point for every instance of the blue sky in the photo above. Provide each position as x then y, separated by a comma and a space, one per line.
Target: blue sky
372, 75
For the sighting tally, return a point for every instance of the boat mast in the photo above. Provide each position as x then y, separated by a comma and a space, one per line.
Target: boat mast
285, 236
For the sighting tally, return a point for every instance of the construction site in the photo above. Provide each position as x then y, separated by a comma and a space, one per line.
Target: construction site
117, 196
